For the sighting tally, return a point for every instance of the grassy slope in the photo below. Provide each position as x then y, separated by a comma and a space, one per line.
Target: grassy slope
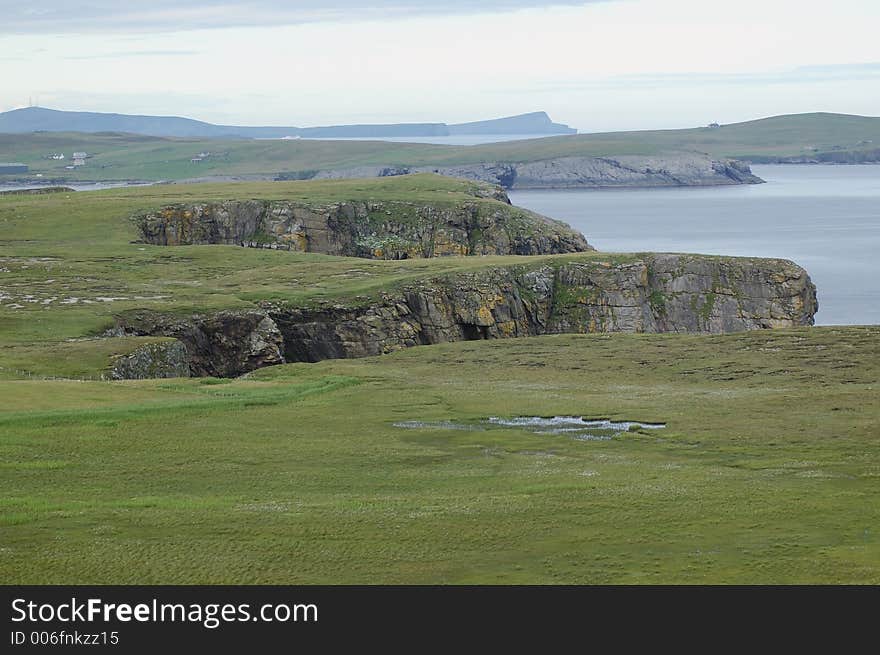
149, 158
56, 248
767, 472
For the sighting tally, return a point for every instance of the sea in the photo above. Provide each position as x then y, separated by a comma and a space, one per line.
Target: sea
825, 218
450, 140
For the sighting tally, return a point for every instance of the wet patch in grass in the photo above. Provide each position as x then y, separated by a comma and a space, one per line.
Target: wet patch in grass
577, 427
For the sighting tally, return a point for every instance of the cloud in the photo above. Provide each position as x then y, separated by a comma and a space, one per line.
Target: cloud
136, 53
64, 16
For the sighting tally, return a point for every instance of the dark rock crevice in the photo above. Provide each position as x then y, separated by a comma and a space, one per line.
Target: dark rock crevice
224, 344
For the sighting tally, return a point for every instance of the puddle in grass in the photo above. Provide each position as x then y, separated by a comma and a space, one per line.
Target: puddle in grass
576, 427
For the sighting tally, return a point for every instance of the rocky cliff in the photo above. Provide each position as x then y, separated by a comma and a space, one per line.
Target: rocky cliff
686, 169
648, 293
486, 225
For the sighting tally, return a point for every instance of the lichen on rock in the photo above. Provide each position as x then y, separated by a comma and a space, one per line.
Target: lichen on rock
163, 359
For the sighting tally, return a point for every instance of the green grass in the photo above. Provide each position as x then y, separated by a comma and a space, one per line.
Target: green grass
132, 157
73, 359
768, 471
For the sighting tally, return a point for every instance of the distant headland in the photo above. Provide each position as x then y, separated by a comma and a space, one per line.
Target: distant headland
40, 119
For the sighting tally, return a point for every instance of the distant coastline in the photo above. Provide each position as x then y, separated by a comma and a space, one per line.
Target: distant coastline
41, 119
703, 156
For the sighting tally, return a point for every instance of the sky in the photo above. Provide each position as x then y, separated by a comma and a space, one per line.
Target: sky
597, 66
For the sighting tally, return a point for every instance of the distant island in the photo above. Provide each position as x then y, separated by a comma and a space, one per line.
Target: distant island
40, 119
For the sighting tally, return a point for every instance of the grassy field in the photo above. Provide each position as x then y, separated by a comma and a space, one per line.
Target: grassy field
132, 157
768, 470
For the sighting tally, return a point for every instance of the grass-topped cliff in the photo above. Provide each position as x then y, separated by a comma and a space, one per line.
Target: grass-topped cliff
71, 263
420, 216
75, 265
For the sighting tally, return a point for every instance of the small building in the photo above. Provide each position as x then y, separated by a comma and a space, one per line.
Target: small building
713, 126
10, 168
80, 155
57, 155
79, 161
196, 160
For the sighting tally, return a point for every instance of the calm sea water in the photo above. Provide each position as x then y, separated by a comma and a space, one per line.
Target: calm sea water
825, 218
453, 140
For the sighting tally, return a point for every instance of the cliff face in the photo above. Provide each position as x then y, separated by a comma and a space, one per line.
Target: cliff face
583, 172
654, 293
372, 229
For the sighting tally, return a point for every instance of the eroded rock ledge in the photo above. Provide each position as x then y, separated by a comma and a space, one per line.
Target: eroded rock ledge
370, 229
650, 293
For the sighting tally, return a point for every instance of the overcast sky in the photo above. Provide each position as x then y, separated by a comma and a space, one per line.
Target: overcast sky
616, 64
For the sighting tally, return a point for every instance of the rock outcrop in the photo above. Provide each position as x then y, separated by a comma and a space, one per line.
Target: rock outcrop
488, 225
686, 169
650, 293
164, 359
